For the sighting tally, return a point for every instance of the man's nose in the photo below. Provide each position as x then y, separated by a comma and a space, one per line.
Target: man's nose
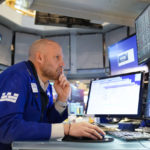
62, 63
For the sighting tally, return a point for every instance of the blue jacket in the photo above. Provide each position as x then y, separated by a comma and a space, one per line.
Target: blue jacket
26, 112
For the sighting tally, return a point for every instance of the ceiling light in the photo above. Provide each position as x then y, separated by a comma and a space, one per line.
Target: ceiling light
24, 3
105, 23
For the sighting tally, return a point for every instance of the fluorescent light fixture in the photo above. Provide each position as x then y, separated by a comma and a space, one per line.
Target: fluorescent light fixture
100, 22
105, 23
19, 12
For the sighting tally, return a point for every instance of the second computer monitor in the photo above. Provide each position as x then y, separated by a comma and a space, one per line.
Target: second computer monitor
123, 56
116, 96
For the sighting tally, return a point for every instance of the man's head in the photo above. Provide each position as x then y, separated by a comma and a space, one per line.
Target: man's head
47, 57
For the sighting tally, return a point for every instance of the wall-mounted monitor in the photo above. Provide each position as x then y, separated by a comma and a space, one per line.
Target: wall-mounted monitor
123, 56
142, 24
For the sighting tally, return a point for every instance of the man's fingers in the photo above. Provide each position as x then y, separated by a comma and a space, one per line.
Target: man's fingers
61, 77
99, 130
84, 129
63, 81
94, 133
89, 135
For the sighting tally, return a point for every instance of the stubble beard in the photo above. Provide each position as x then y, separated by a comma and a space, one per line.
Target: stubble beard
50, 74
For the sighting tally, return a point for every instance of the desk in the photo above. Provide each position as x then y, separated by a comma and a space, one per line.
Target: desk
59, 145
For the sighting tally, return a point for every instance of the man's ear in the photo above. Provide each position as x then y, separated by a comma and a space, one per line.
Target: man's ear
39, 57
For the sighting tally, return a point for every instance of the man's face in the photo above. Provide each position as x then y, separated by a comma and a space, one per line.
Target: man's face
53, 62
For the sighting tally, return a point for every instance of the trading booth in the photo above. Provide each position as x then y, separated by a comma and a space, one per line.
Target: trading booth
118, 100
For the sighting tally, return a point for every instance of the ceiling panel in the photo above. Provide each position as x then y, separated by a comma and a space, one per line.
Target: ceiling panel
114, 11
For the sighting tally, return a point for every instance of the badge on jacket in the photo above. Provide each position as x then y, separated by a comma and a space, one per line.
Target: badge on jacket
34, 88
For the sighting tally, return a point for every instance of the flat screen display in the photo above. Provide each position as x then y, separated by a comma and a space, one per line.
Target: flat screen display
116, 96
123, 56
142, 24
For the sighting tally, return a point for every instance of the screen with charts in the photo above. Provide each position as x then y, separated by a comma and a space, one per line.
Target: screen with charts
116, 96
142, 24
123, 56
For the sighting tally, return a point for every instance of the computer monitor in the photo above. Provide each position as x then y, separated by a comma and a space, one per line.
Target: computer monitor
116, 96
142, 24
123, 56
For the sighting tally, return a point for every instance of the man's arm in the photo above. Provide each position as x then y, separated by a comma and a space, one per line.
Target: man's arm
85, 129
14, 127
13, 97
59, 112
62, 87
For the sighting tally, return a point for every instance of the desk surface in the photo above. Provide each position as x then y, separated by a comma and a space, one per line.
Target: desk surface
59, 145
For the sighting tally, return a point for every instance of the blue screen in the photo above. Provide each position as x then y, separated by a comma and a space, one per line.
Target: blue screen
123, 56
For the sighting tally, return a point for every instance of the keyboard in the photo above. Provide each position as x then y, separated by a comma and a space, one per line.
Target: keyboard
129, 135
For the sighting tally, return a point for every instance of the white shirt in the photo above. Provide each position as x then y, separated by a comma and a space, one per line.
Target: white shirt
57, 128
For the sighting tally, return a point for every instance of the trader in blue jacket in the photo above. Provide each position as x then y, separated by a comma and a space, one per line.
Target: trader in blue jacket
27, 111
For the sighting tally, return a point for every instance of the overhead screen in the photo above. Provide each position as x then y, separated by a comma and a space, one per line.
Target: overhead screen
123, 56
143, 42
113, 37
143, 36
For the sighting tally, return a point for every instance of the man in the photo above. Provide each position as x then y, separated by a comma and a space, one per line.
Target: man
27, 111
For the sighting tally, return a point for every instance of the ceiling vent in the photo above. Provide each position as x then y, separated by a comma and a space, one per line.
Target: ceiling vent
64, 21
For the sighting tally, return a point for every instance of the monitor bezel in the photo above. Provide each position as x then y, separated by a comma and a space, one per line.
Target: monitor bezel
148, 59
126, 38
139, 115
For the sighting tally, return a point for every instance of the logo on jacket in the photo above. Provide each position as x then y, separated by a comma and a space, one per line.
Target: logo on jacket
9, 97
34, 88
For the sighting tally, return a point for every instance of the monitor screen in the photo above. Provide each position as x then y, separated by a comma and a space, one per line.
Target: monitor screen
123, 56
116, 96
142, 24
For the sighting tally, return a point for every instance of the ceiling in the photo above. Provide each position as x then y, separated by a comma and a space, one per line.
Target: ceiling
115, 12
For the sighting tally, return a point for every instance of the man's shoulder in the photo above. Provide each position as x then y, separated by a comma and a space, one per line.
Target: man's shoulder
18, 65
19, 68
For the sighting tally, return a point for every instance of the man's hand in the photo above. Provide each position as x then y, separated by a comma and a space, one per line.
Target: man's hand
84, 129
62, 87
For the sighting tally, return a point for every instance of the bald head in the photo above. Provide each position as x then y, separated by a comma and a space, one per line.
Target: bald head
47, 57
41, 46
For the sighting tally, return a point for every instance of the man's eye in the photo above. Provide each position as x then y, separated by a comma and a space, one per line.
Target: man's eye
57, 57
